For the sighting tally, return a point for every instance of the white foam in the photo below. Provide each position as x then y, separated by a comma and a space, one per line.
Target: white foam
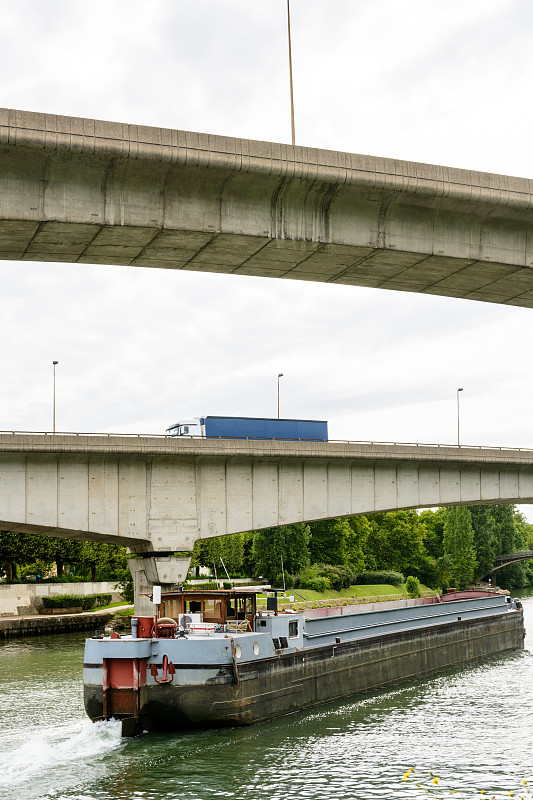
44, 754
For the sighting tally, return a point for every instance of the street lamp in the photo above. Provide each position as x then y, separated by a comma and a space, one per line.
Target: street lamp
54, 363
280, 375
293, 134
458, 390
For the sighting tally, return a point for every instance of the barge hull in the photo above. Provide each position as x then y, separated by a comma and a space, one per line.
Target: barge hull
290, 682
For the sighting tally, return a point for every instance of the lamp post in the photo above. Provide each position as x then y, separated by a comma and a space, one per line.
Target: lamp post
458, 440
280, 375
293, 134
54, 363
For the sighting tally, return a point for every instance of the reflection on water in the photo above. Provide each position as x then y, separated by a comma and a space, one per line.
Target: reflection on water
472, 726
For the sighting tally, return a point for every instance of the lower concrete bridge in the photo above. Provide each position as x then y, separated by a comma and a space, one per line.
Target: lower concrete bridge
158, 495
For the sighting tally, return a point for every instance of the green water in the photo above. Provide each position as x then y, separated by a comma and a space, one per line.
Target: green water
473, 727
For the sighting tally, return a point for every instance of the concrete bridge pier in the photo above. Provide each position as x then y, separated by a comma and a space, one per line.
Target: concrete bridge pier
149, 570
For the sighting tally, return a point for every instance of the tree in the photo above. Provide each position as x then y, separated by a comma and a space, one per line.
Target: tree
67, 551
397, 541
103, 561
459, 545
219, 552
433, 522
329, 541
356, 541
510, 538
22, 548
288, 542
483, 525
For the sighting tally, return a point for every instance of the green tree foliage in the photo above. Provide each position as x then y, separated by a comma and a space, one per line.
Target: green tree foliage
311, 578
34, 553
102, 561
397, 541
510, 538
125, 584
220, 551
339, 575
459, 545
433, 524
525, 530
68, 551
390, 577
442, 574
356, 542
485, 543
329, 541
412, 585
22, 548
288, 542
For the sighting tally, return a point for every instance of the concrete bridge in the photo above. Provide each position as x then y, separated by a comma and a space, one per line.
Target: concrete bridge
91, 192
158, 495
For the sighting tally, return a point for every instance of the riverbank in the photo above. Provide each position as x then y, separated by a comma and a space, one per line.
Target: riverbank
26, 599
44, 625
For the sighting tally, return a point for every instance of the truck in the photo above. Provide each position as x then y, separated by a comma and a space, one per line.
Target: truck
305, 430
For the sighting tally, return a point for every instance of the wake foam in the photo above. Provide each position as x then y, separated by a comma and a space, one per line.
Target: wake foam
41, 753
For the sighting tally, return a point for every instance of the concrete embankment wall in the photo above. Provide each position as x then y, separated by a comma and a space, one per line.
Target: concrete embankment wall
15, 628
17, 599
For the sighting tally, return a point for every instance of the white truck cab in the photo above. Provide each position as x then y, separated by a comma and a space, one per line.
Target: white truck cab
186, 427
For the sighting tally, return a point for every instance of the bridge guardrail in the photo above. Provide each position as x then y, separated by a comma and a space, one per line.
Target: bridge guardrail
259, 439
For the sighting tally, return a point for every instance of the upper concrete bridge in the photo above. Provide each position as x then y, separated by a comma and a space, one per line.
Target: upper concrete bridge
81, 190
158, 495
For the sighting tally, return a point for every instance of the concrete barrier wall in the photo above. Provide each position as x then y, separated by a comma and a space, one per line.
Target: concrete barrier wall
26, 598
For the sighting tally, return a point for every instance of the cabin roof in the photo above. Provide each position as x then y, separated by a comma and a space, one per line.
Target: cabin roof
220, 593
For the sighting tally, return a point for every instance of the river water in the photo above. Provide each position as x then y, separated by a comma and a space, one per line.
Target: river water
472, 727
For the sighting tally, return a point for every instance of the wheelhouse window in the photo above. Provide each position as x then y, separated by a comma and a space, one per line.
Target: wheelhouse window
293, 629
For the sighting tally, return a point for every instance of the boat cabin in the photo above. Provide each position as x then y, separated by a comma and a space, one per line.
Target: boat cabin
216, 606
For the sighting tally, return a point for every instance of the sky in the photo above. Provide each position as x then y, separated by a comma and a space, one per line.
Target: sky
437, 82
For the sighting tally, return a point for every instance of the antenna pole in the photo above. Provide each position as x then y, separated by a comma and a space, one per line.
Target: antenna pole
290, 72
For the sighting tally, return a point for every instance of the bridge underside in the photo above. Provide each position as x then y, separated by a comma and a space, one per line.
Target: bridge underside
91, 192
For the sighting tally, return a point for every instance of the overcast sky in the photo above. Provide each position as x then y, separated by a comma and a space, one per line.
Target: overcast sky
439, 82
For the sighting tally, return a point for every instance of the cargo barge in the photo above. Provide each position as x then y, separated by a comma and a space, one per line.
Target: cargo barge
212, 658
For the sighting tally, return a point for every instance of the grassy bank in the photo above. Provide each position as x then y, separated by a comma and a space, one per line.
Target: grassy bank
372, 590
307, 598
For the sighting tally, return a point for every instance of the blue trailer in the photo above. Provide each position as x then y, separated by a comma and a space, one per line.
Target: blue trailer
305, 430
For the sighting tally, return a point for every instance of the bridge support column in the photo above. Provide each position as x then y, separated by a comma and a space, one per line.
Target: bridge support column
156, 569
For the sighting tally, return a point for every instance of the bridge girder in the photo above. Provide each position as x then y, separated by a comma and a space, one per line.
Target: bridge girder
91, 192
